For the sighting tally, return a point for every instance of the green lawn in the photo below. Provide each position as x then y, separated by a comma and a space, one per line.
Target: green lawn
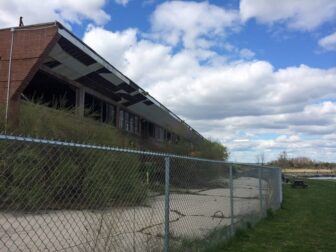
306, 222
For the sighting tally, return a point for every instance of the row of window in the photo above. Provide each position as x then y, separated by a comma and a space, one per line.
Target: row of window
134, 124
64, 95
129, 122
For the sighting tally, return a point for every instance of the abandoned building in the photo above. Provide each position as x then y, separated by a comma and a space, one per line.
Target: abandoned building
47, 60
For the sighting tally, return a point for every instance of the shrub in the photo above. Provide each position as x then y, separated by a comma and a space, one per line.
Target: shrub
36, 177
38, 120
116, 180
32, 176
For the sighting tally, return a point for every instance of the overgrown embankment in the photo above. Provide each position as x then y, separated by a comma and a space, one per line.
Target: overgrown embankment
37, 177
41, 121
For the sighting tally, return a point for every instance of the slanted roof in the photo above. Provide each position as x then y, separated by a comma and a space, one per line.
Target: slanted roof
73, 59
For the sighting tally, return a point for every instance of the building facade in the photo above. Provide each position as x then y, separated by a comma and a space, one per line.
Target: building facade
48, 61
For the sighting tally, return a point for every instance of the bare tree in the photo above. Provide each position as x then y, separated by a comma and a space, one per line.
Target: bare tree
283, 159
260, 158
257, 159
283, 156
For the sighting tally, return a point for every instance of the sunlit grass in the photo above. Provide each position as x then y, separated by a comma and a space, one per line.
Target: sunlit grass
306, 222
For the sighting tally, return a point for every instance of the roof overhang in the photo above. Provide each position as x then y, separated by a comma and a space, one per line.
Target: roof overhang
76, 61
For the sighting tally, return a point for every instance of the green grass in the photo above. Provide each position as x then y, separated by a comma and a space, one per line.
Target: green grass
306, 222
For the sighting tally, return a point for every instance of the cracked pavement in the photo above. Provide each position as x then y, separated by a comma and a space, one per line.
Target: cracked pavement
139, 228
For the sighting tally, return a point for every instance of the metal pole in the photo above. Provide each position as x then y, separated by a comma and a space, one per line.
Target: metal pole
280, 186
166, 223
231, 202
260, 192
9, 79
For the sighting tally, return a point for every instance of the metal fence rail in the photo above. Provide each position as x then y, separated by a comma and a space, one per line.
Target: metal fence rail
60, 196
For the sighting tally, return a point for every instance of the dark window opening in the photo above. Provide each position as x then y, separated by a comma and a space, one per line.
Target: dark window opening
100, 110
151, 129
108, 113
130, 122
121, 119
50, 91
144, 128
126, 124
94, 107
167, 136
161, 134
136, 125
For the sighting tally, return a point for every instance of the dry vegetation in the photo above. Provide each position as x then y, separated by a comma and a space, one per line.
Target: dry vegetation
38, 120
301, 163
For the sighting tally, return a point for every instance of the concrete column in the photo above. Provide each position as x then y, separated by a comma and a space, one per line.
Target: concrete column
118, 117
80, 101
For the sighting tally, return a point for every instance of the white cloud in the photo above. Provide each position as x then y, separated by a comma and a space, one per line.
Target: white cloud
297, 14
122, 2
231, 100
246, 53
148, 2
246, 88
236, 102
308, 132
112, 45
328, 42
66, 11
192, 23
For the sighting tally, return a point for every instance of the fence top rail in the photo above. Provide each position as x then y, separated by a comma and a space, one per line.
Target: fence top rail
100, 147
4, 137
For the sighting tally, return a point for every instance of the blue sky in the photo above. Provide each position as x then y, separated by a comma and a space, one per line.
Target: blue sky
285, 48
270, 42
257, 75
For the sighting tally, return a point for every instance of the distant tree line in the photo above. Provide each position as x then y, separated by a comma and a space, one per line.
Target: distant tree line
284, 161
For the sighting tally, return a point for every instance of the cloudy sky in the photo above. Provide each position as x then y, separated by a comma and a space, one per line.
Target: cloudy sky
257, 75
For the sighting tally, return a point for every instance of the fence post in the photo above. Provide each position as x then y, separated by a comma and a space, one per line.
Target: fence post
166, 221
280, 185
260, 192
231, 201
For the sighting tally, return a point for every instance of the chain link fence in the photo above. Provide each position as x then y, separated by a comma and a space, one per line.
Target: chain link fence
61, 196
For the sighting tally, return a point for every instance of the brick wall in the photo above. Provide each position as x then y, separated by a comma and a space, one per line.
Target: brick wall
31, 45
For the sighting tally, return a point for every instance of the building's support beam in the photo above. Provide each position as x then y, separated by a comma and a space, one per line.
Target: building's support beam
80, 101
117, 115
80, 93
78, 85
